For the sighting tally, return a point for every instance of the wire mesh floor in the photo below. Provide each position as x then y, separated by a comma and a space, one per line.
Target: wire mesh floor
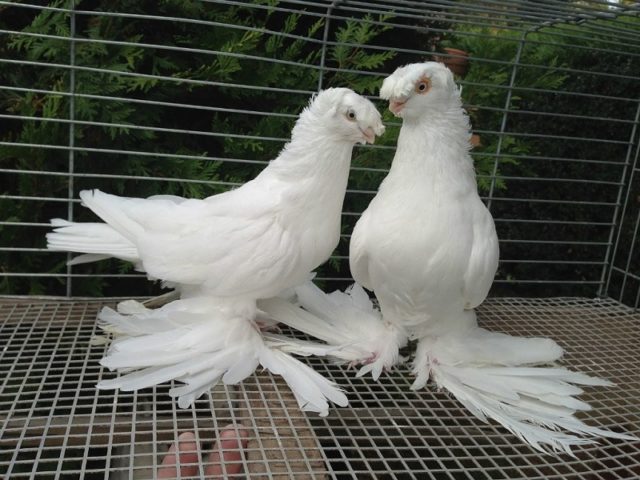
55, 424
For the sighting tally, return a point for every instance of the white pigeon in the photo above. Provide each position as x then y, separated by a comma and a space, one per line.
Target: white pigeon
427, 247
222, 254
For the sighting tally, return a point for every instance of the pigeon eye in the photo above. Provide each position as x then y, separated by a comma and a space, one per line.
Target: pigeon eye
351, 115
423, 86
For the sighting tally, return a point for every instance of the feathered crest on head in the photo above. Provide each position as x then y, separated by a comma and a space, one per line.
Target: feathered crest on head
401, 82
323, 101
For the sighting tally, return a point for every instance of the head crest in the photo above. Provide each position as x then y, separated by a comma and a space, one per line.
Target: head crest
401, 82
325, 100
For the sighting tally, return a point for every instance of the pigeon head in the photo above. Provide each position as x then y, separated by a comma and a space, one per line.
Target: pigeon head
346, 115
416, 89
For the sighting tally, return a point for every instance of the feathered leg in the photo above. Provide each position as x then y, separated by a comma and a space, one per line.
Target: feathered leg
353, 329
186, 340
498, 376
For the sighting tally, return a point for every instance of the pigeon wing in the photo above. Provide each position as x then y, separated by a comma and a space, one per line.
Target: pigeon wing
233, 242
483, 259
358, 252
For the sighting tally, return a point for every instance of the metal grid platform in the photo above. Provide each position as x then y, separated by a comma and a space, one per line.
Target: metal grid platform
55, 424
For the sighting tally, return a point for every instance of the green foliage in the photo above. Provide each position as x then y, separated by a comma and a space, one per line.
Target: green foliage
134, 74
556, 59
349, 59
591, 121
486, 91
136, 63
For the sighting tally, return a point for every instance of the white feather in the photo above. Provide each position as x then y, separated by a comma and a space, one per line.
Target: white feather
224, 253
352, 328
97, 240
201, 350
536, 404
255, 241
427, 246
310, 388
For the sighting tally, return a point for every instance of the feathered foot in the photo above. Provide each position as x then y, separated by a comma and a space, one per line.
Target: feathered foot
185, 340
493, 376
354, 331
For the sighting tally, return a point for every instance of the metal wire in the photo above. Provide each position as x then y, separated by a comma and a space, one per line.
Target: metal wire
56, 424
624, 288
72, 134
597, 243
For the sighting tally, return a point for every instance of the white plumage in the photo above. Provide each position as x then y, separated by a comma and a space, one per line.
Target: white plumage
225, 252
347, 321
427, 247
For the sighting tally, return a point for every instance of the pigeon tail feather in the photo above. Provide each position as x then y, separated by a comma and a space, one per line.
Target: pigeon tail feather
110, 208
97, 241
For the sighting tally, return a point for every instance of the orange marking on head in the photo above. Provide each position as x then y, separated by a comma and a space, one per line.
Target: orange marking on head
423, 85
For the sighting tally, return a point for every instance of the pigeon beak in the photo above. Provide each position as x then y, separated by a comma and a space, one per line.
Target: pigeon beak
369, 135
396, 105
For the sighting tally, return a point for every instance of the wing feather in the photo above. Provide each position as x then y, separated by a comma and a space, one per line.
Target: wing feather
358, 252
233, 242
483, 259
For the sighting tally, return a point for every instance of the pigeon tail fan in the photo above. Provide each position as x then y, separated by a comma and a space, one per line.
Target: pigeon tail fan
97, 241
348, 322
192, 342
500, 377
110, 208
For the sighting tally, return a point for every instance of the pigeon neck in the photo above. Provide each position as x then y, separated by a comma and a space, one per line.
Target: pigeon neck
450, 124
313, 157
436, 147
312, 178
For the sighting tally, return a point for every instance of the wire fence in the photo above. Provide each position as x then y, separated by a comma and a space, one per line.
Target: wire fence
56, 424
195, 97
